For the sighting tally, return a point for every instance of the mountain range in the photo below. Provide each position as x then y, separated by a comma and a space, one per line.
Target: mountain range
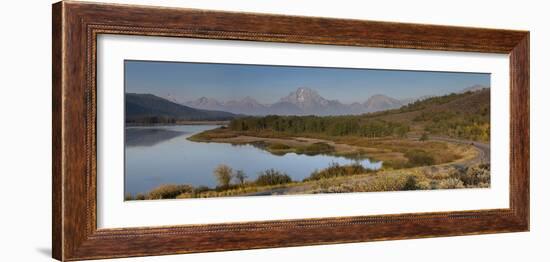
303, 101
306, 101
148, 108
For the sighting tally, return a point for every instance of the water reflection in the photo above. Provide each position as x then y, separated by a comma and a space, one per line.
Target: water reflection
162, 155
147, 137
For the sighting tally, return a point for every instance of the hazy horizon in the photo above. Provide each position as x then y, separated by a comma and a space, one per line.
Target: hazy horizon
183, 81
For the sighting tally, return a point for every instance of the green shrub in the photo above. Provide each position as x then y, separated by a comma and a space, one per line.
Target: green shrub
316, 148
410, 184
200, 189
342, 188
424, 137
473, 176
168, 191
426, 184
240, 176
450, 183
381, 183
335, 170
140, 196
272, 177
278, 146
223, 174
419, 157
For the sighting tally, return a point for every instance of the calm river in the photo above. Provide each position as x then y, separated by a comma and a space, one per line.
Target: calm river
162, 155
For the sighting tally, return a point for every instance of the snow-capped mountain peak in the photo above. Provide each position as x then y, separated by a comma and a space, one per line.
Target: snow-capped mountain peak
305, 97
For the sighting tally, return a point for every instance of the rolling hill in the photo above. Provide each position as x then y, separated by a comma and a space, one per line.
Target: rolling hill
148, 108
464, 115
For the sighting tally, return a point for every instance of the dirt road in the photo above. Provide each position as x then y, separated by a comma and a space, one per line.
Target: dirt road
484, 156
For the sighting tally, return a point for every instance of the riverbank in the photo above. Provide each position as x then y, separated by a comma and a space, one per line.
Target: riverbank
395, 152
445, 176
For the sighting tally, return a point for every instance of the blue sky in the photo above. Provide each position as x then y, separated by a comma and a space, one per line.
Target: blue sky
188, 81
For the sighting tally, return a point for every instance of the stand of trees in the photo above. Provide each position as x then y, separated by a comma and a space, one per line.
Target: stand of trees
327, 125
152, 120
225, 174
471, 126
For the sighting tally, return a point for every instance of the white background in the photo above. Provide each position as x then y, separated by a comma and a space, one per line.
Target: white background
25, 136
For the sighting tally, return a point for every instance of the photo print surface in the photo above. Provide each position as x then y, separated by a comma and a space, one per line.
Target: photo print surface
201, 130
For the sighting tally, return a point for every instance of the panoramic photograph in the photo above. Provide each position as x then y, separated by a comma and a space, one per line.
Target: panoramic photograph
202, 130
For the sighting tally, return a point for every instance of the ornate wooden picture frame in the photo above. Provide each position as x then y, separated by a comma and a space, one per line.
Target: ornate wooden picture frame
76, 27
